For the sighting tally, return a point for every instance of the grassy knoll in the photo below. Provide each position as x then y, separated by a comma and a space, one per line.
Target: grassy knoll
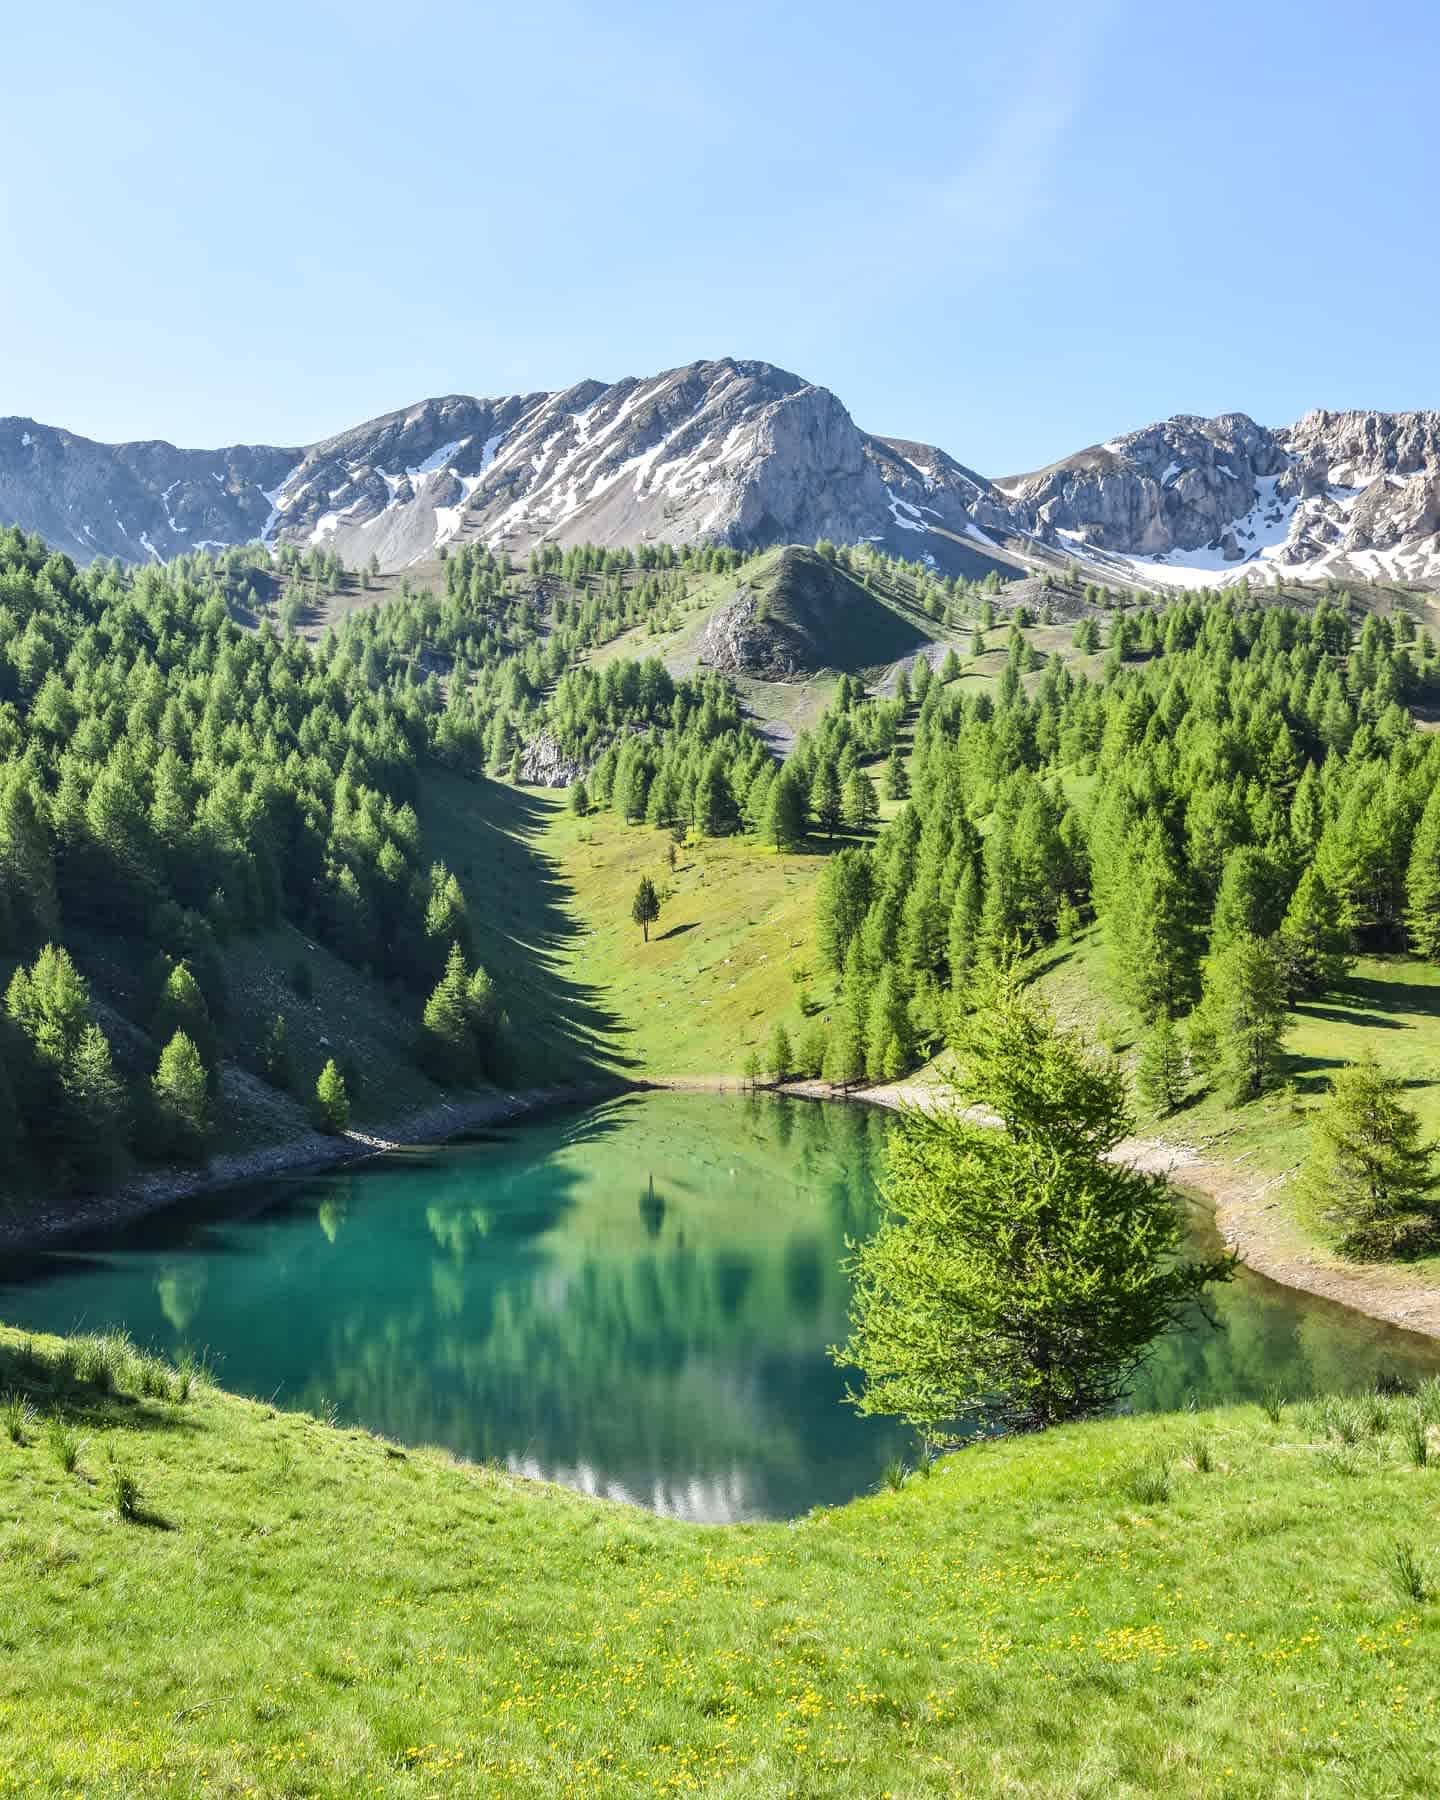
1192, 1604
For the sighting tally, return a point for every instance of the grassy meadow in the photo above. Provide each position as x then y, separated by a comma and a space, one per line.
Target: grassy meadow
203, 1595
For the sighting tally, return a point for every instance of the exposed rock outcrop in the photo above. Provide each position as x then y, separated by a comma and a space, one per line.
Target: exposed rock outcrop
544, 764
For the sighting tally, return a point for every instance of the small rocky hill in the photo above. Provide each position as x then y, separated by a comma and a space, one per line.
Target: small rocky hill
799, 612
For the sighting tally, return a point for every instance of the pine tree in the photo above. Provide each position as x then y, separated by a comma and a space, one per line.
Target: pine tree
780, 1058
1246, 901
1148, 926
887, 1028
810, 1049
332, 1100
446, 1047
862, 803
580, 799
1236, 1030
842, 899
181, 1007
845, 1052
181, 1099
1314, 943
645, 907
1160, 1076
97, 1099
897, 782
275, 1054
1422, 884
51, 1004
1369, 1182
785, 813
963, 939
1019, 1277
826, 799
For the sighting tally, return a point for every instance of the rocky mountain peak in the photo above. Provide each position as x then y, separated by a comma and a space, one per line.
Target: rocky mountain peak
745, 453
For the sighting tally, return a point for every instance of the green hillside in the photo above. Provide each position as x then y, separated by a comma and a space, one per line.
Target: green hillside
1196, 1603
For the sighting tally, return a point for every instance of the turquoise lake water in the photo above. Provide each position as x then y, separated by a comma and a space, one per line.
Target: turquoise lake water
635, 1299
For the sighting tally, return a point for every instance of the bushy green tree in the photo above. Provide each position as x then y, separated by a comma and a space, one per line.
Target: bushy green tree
780, 1057
1422, 883
827, 800
1161, 1073
180, 1006
1236, 1031
1019, 1277
332, 1099
897, 781
1314, 943
1368, 1182
645, 907
786, 811
180, 1097
862, 803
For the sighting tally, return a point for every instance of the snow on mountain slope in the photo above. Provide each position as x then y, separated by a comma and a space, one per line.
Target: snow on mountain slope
733, 452
1199, 502
744, 453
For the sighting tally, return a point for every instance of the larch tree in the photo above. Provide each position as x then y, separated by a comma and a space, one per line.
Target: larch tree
1236, 1031
1368, 1182
332, 1099
1019, 1277
645, 907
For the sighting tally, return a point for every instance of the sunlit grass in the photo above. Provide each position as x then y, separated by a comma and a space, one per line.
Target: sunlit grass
301, 1610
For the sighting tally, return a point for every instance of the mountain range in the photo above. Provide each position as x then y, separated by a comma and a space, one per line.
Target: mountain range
746, 454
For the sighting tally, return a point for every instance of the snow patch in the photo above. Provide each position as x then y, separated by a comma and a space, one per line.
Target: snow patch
279, 498
914, 522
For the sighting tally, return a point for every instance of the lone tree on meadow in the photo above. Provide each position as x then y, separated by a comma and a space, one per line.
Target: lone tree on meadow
1369, 1183
1018, 1277
645, 908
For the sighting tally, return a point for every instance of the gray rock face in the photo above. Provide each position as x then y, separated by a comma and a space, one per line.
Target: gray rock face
1343, 494
746, 454
738, 453
544, 764
1172, 486
140, 502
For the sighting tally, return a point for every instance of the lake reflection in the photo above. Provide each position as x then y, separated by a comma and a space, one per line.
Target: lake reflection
635, 1299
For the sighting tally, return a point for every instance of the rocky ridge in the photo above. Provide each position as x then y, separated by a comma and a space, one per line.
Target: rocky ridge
747, 454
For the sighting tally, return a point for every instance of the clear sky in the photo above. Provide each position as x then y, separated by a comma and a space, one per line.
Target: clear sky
1011, 230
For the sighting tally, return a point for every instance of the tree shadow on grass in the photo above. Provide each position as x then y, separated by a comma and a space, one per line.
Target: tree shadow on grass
675, 931
1350, 1015
521, 909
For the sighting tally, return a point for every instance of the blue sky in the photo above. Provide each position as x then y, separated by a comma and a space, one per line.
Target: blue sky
1009, 230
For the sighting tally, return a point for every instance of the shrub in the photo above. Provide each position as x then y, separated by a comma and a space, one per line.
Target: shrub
122, 1490
63, 1443
1405, 1570
16, 1417
1147, 1483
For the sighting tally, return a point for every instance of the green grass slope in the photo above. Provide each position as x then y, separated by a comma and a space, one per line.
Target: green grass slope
1202, 1604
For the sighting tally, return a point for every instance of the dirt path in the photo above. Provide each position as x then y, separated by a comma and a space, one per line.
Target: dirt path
307, 1150
1249, 1211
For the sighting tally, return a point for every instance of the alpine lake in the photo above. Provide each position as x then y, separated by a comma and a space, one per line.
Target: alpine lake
636, 1298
